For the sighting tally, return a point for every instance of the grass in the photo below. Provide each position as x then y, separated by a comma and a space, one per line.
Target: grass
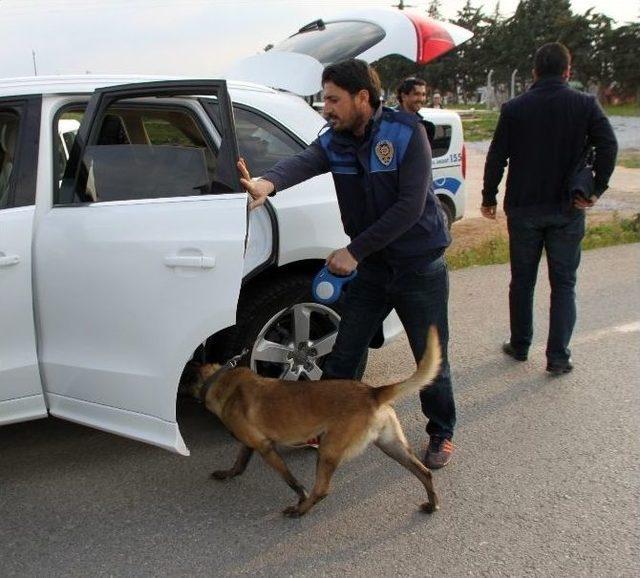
474, 106
617, 231
623, 110
480, 126
629, 159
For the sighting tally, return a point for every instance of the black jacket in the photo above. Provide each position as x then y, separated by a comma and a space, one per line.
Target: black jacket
388, 207
543, 134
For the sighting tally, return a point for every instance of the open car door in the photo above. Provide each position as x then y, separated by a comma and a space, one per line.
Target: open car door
296, 63
140, 258
21, 395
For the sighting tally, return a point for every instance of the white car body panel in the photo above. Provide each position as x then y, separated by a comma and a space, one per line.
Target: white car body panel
309, 221
116, 316
266, 67
21, 396
400, 35
259, 242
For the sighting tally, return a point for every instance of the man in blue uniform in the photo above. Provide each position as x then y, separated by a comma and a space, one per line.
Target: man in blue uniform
381, 165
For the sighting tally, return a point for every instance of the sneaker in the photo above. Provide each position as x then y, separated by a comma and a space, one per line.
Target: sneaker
511, 351
559, 367
439, 452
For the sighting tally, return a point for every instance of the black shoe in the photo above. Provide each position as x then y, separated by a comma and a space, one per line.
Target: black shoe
511, 351
559, 367
439, 452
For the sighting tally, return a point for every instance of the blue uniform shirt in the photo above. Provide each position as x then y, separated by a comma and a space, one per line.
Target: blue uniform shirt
383, 184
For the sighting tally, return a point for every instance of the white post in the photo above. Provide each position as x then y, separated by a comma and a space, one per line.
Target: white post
490, 95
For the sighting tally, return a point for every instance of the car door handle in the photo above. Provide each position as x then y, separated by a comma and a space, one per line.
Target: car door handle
8, 260
192, 261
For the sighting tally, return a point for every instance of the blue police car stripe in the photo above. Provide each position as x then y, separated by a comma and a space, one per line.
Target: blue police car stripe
448, 183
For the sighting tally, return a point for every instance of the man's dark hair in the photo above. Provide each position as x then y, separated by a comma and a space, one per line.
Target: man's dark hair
407, 85
354, 75
551, 59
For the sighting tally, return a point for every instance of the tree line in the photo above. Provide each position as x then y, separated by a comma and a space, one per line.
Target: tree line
605, 58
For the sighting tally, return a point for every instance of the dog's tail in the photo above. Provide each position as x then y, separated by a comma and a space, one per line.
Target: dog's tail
425, 373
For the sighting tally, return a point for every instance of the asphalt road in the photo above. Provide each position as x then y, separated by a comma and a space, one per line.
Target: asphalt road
544, 482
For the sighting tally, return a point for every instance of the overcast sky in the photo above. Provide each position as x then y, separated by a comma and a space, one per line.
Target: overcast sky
181, 37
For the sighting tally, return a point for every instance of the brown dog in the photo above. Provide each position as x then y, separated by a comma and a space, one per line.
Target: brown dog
346, 415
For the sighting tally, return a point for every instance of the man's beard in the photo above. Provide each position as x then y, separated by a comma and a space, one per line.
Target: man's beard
352, 125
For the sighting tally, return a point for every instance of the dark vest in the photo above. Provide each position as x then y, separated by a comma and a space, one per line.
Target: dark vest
366, 179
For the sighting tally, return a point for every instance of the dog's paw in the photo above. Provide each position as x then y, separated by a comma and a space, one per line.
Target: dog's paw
429, 508
292, 512
220, 475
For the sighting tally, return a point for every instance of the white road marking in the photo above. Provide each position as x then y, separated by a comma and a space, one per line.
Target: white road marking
602, 333
591, 336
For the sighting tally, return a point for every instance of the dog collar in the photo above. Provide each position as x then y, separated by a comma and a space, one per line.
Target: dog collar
233, 362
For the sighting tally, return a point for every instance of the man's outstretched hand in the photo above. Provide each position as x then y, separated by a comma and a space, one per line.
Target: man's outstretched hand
258, 190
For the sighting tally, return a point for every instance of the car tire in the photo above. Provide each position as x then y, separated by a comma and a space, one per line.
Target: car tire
287, 334
447, 212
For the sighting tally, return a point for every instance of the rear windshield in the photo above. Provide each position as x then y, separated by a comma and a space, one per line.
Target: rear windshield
334, 41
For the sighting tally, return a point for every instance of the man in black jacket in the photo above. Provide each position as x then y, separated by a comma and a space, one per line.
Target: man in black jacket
380, 160
546, 135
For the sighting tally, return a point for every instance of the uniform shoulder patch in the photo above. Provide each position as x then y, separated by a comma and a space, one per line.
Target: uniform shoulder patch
384, 151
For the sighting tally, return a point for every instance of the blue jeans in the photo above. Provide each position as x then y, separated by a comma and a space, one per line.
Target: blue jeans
420, 297
560, 235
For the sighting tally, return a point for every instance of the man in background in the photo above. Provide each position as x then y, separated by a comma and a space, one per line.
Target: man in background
412, 96
545, 135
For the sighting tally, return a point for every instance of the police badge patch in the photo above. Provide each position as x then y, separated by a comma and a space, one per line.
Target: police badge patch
384, 152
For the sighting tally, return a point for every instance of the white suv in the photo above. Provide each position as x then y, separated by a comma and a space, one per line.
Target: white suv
138, 253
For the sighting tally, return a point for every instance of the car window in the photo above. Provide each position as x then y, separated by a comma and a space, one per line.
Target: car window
441, 140
328, 42
9, 126
66, 129
150, 152
261, 142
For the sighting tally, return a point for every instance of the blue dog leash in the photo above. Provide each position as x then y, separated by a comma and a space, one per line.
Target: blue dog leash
327, 287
